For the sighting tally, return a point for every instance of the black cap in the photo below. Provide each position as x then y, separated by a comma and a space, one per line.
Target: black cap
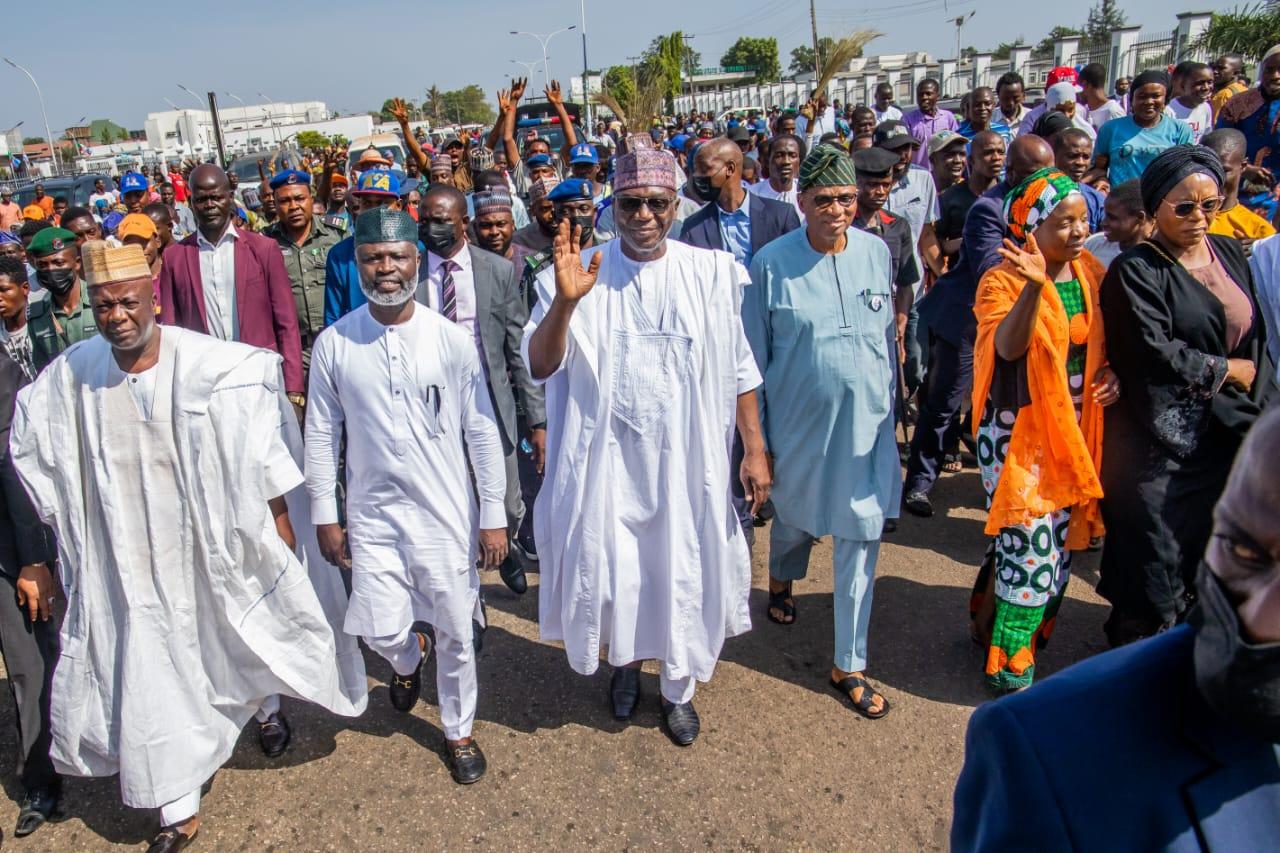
739, 133
894, 135
875, 162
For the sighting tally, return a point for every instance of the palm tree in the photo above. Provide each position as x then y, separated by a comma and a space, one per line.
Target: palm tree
434, 105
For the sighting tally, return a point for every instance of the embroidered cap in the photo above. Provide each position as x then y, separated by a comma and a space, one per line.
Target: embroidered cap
106, 264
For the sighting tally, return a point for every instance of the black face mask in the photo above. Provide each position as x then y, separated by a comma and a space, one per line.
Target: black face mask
58, 282
703, 187
587, 222
1239, 680
438, 237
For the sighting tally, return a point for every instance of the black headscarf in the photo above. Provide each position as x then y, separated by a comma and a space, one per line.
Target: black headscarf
1151, 75
1051, 123
1171, 166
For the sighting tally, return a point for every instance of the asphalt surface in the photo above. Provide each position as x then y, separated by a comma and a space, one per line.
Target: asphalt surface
781, 762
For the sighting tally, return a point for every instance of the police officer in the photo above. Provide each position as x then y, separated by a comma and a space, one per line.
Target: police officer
573, 198
305, 240
65, 318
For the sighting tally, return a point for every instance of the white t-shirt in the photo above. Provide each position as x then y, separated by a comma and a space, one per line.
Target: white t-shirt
792, 196
891, 113
1103, 249
1199, 118
1105, 113
109, 196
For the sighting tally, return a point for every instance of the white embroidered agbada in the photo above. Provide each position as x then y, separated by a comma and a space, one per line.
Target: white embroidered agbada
408, 394
185, 609
640, 547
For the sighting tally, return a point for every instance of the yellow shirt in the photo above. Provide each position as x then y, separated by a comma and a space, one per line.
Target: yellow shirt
1220, 98
1243, 220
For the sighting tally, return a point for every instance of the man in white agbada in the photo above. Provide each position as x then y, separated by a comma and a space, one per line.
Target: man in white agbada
408, 385
187, 609
647, 369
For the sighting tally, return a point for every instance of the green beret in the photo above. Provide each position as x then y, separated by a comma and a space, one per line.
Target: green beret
827, 166
50, 240
384, 225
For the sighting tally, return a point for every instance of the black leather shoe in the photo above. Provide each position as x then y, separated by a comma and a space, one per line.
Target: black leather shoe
170, 840
274, 735
512, 574
624, 691
681, 722
38, 807
406, 688
528, 548
918, 503
466, 762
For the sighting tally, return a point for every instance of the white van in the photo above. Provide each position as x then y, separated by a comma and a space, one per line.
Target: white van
388, 144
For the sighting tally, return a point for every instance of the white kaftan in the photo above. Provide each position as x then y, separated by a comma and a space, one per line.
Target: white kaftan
409, 395
185, 609
640, 548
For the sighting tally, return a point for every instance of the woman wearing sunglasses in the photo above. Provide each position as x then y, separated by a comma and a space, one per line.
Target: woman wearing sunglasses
1186, 340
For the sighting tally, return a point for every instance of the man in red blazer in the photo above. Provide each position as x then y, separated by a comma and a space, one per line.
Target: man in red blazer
231, 283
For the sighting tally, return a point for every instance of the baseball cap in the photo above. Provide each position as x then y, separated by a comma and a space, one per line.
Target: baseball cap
34, 212
1063, 74
739, 133
893, 135
136, 225
583, 152
133, 182
874, 162
378, 182
945, 139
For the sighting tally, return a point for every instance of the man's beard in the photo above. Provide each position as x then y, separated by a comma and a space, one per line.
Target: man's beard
394, 299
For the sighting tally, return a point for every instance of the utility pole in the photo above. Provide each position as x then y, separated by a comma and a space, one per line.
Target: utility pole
817, 58
688, 55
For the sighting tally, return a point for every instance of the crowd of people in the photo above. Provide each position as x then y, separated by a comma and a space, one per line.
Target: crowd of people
248, 427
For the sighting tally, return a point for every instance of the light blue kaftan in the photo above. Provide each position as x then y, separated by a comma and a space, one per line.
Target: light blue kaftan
822, 331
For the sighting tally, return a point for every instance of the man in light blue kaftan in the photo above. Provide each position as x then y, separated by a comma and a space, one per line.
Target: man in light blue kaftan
819, 317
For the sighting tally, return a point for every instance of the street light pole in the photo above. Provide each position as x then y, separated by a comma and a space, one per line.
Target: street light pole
53, 149
544, 40
275, 126
586, 74
203, 105
528, 66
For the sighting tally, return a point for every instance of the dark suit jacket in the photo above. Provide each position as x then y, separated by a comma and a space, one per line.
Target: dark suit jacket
770, 219
24, 539
947, 308
1120, 753
501, 314
265, 308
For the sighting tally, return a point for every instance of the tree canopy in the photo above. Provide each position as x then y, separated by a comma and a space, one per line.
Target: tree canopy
1249, 31
460, 106
758, 53
802, 56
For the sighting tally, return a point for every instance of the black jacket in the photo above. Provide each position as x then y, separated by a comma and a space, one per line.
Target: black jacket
24, 539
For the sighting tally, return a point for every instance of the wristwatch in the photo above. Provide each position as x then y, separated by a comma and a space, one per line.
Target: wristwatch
299, 400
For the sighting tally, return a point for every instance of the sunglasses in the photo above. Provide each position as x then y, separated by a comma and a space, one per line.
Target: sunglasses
847, 200
1208, 207
632, 204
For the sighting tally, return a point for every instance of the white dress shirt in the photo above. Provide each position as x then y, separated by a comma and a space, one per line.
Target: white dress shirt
218, 277
464, 291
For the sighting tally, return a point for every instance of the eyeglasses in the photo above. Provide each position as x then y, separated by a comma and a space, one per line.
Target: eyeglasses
632, 204
846, 200
1208, 207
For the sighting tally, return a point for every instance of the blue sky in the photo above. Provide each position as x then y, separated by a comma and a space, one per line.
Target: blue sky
102, 60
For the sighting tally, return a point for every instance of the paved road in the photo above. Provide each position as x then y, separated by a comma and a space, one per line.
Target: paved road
780, 761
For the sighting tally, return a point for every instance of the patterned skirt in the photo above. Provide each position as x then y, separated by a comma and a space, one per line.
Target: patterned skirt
1024, 574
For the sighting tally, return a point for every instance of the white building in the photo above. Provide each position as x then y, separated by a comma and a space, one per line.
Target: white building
189, 132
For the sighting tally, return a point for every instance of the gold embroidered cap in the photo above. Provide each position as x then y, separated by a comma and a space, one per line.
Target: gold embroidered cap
106, 264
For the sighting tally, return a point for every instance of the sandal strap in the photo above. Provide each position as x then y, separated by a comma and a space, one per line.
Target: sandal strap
867, 701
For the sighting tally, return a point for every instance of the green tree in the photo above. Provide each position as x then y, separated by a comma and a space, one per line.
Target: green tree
33, 140
105, 135
1103, 18
311, 139
667, 59
1044, 49
385, 112
1005, 49
758, 53
466, 106
802, 56
620, 83
339, 140
1249, 31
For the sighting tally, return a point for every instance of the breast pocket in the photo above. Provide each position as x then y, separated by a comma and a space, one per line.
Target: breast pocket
431, 399
649, 370
873, 355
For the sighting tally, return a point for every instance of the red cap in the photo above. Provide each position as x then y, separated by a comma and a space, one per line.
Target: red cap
1063, 74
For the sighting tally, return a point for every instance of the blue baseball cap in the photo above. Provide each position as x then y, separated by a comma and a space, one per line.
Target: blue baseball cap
572, 189
290, 177
677, 142
539, 160
583, 152
133, 182
378, 182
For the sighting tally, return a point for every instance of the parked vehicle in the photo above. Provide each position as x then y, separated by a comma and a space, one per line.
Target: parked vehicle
75, 188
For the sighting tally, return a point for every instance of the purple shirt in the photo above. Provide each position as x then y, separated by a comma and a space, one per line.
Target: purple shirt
922, 127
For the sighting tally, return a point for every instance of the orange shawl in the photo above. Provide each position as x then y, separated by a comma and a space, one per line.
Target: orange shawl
1052, 461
